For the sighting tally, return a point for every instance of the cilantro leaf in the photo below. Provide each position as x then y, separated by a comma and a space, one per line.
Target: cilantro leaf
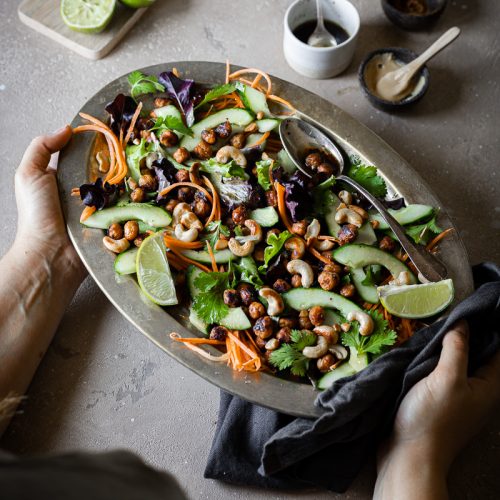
209, 303
275, 244
231, 169
219, 91
214, 231
263, 173
421, 233
248, 272
367, 176
290, 355
375, 343
171, 123
143, 84
373, 275
323, 196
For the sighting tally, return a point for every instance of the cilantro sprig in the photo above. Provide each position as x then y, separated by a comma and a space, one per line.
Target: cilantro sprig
219, 91
170, 123
367, 176
381, 338
143, 84
214, 231
290, 355
422, 233
209, 303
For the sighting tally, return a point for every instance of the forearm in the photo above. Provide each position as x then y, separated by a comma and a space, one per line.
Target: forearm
37, 283
412, 472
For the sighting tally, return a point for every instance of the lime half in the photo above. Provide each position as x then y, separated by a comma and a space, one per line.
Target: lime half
137, 4
87, 16
153, 271
416, 301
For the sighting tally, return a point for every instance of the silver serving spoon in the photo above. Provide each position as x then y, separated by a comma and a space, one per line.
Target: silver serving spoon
299, 137
321, 37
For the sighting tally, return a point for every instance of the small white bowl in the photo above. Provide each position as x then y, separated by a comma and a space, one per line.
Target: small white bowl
320, 62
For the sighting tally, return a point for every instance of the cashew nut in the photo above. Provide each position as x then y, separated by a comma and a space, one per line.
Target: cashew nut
312, 230
323, 245
320, 349
241, 250
301, 267
296, 246
339, 351
194, 173
328, 332
255, 229
275, 303
359, 210
365, 322
272, 344
220, 244
403, 278
179, 210
116, 246
190, 220
227, 152
346, 197
349, 216
182, 234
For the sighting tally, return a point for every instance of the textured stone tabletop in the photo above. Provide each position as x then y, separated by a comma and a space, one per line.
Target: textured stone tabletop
102, 384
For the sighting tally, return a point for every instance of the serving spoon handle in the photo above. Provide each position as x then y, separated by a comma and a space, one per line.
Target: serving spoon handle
427, 265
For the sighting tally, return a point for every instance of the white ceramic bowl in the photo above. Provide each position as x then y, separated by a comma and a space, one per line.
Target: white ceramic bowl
320, 62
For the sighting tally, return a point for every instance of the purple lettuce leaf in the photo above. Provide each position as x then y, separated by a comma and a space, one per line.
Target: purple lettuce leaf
165, 172
297, 196
181, 90
121, 110
98, 195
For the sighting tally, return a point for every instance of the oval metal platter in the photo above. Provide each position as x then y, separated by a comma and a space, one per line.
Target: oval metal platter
155, 322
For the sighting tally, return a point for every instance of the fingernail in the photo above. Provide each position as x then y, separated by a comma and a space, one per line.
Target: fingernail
58, 131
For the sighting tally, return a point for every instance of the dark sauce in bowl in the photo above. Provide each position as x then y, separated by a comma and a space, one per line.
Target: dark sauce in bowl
305, 30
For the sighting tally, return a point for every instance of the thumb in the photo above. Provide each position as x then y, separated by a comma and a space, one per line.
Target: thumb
454, 355
37, 156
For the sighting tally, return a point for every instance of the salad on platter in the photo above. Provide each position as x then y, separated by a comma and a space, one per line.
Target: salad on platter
280, 272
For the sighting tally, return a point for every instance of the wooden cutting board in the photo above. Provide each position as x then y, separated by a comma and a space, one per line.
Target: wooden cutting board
44, 16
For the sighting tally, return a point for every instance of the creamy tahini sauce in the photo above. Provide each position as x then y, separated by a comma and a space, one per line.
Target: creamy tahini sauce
379, 66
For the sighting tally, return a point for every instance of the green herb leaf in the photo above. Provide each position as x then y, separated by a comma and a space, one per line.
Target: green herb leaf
219, 91
373, 275
263, 173
209, 303
303, 338
214, 230
171, 123
231, 169
135, 153
143, 84
248, 272
421, 233
275, 244
367, 176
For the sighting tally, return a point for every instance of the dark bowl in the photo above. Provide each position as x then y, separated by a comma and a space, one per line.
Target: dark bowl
400, 54
409, 21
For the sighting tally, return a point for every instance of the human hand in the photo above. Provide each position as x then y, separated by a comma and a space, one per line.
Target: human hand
41, 224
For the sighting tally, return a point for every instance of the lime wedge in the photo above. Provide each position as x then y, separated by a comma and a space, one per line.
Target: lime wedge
153, 271
87, 16
137, 4
416, 301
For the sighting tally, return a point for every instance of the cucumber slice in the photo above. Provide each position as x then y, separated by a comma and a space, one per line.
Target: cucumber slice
327, 380
367, 292
169, 110
286, 162
254, 100
267, 124
305, 298
356, 360
266, 217
366, 235
356, 256
254, 138
332, 318
236, 116
149, 214
221, 257
406, 215
236, 319
197, 322
125, 263
191, 274
332, 225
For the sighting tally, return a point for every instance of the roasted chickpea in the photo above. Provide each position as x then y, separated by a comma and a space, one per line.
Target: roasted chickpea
201, 206
185, 194
296, 281
159, 102
238, 140
347, 290
169, 138
347, 233
224, 130
325, 362
325, 170
209, 136
247, 293
239, 215
115, 231
231, 297
327, 255
274, 231
283, 335
300, 227
137, 195
182, 175
313, 160
281, 286
148, 182
328, 280
258, 254
304, 321
131, 230
332, 268
287, 322
256, 310
169, 207
203, 151
317, 315
219, 333
387, 244
181, 155
271, 198
138, 241
263, 327
261, 343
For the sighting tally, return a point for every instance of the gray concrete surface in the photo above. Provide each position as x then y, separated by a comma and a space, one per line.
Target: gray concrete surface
102, 385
